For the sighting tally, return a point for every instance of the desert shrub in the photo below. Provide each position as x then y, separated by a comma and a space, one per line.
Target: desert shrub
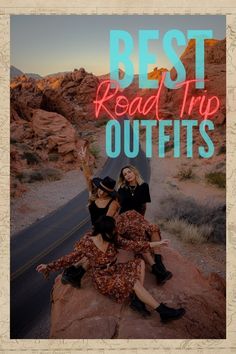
169, 146
94, 150
92, 138
51, 174
35, 176
222, 150
100, 122
176, 207
88, 134
29, 176
142, 130
216, 178
13, 141
185, 173
188, 232
31, 157
220, 167
54, 156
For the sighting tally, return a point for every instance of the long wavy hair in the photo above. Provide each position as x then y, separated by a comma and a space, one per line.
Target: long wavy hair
122, 182
94, 195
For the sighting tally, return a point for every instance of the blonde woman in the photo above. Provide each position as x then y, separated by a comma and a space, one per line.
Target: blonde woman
133, 191
133, 196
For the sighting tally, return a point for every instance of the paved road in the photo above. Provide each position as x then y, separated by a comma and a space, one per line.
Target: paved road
46, 240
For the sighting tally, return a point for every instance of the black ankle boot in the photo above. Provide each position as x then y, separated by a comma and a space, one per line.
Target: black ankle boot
161, 276
159, 263
169, 314
73, 276
137, 305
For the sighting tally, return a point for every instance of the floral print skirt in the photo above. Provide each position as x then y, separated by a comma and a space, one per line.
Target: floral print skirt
118, 280
134, 226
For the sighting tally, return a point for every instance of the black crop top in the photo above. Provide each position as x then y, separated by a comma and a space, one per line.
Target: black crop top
134, 199
96, 212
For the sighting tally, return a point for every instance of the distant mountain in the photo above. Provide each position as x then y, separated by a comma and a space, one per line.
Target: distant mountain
14, 72
58, 74
34, 76
107, 76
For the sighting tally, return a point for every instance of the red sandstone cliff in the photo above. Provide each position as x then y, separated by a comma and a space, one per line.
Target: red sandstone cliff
48, 118
215, 76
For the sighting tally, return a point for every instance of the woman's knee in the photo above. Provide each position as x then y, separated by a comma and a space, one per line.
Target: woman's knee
142, 264
137, 285
156, 236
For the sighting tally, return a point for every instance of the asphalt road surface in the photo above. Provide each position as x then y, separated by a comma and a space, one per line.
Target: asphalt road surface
46, 240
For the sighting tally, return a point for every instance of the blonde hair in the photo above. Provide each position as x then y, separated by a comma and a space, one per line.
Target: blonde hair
93, 195
122, 182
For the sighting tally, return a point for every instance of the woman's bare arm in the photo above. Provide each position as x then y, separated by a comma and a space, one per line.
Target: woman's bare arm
159, 243
113, 208
86, 168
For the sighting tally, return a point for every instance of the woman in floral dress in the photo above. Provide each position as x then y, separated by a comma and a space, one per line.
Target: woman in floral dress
116, 280
133, 195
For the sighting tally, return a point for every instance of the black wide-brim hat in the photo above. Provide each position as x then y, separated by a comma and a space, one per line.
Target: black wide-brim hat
106, 184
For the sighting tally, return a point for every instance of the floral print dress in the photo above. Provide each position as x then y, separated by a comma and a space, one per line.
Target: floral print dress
133, 226
110, 278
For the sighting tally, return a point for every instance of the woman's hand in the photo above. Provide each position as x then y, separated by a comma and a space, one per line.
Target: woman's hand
83, 153
159, 243
42, 268
164, 242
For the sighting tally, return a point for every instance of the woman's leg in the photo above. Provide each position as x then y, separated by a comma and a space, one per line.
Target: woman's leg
156, 236
136, 304
148, 258
159, 269
166, 313
142, 274
144, 295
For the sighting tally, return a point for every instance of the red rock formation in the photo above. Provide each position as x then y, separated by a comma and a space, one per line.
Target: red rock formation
25, 96
171, 100
85, 313
215, 74
48, 141
46, 117
71, 95
156, 74
54, 133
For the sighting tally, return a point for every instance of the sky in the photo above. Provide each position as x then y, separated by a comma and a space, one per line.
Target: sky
47, 44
